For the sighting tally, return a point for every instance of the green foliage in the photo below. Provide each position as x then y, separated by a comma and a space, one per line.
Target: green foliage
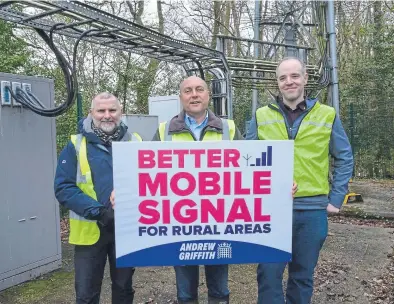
13, 50
66, 124
367, 107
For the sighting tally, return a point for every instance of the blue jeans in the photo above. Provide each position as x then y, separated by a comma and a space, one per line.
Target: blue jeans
89, 262
187, 281
310, 228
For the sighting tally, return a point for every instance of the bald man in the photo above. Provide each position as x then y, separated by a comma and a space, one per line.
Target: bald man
83, 184
197, 123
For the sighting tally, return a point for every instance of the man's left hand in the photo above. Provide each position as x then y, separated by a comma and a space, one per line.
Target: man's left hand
294, 189
332, 209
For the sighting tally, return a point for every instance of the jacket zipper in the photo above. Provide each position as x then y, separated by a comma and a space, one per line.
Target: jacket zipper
288, 128
203, 131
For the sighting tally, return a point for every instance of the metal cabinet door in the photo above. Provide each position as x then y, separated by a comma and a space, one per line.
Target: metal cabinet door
29, 145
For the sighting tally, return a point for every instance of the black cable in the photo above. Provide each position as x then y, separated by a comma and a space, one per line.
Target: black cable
29, 100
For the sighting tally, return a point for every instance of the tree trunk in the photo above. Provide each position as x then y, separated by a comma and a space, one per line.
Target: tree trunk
226, 31
137, 11
144, 87
216, 22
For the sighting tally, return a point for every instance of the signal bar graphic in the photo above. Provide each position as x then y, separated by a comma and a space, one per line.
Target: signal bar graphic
265, 160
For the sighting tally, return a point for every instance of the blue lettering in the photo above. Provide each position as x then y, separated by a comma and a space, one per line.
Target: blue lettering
267, 228
141, 230
176, 230
248, 229
239, 229
229, 230
197, 230
152, 230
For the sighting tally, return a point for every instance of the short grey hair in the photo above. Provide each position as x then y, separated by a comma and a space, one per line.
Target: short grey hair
303, 65
103, 95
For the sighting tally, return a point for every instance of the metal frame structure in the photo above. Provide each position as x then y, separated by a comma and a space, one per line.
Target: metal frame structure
264, 69
115, 32
256, 68
255, 71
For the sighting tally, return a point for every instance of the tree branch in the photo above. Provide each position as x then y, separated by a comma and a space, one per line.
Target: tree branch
137, 12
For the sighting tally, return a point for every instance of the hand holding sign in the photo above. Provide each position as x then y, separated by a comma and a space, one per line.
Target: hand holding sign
294, 189
112, 199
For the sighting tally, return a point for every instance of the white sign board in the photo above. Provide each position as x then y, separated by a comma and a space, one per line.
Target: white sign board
191, 203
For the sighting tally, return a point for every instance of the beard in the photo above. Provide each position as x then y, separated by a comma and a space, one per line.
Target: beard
107, 126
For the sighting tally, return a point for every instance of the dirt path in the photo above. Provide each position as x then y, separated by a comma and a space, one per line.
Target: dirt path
378, 197
353, 256
356, 264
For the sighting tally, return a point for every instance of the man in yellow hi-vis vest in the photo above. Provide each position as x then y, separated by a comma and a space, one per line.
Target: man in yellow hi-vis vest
83, 184
197, 123
317, 133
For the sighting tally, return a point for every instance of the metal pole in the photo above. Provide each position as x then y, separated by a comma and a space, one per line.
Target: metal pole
79, 107
229, 96
290, 38
333, 55
351, 129
255, 95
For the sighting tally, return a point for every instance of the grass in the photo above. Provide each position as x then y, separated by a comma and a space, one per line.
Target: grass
35, 291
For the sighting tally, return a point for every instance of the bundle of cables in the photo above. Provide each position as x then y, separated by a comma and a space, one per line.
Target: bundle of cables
70, 73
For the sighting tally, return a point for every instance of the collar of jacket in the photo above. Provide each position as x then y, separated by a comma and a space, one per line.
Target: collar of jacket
85, 128
178, 124
309, 103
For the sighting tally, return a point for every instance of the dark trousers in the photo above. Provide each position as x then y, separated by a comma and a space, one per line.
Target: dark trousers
187, 281
89, 262
310, 228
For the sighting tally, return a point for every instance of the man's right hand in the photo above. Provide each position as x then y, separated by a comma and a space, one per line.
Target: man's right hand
112, 199
332, 209
106, 219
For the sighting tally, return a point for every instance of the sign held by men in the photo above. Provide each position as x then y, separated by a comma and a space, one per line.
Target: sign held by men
189, 203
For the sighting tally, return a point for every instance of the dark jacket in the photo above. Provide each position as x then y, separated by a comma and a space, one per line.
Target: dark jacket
100, 160
178, 125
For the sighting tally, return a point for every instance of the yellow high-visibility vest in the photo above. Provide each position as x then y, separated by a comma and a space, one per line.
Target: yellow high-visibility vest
82, 230
311, 145
210, 135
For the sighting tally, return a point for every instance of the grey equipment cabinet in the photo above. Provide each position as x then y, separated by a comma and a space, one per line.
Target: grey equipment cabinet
29, 213
145, 125
165, 107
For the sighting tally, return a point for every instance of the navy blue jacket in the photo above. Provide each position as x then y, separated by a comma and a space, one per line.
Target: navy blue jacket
100, 161
340, 150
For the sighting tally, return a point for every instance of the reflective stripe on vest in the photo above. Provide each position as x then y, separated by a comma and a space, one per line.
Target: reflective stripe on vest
311, 145
135, 137
82, 230
228, 133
